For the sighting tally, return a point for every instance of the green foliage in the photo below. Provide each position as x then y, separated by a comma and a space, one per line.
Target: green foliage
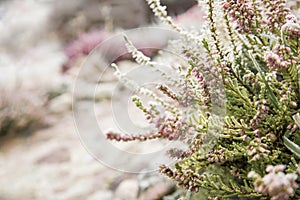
256, 58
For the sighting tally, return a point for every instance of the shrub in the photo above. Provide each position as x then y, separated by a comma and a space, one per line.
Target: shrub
21, 111
251, 48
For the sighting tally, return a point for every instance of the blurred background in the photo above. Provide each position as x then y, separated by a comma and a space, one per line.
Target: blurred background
43, 43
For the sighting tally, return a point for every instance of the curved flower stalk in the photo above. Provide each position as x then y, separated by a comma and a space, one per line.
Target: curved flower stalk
161, 12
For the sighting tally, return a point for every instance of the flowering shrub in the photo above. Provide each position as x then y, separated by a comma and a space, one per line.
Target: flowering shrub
21, 113
251, 48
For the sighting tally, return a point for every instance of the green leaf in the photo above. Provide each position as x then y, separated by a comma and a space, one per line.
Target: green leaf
293, 147
297, 119
270, 92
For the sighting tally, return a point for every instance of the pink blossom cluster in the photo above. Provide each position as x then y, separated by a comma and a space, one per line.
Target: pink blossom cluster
276, 184
244, 13
292, 27
186, 178
280, 58
170, 126
257, 149
216, 156
130, 137
262, 108
276, 14
274, 61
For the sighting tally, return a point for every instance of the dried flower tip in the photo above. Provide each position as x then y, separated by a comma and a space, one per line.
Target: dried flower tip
167, 91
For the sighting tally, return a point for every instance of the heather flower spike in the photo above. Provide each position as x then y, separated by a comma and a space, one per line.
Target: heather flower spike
136, 54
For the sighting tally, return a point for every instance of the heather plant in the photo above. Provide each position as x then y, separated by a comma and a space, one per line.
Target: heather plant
248, 54
21, 113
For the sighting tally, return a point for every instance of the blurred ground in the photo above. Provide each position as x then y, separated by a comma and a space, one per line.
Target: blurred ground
52, 164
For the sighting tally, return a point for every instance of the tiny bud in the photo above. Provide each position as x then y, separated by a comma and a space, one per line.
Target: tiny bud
256, 103
171, 137
264, 108
256, 157
294, 127
293, 104
282, 99
257, 132
264, 101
